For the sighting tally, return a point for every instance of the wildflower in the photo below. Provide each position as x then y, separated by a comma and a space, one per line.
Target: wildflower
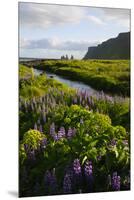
62, 130
115, 182
43, 143
77, 166
50, 182
31, 155
59, 135
52, 129
88, 170
40, 128
67, 187
69, 133
55, 137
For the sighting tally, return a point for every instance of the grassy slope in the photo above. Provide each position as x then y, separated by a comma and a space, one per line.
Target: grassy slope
31, 86
109, 75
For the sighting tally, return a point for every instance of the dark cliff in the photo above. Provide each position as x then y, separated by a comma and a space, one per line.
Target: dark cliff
114, 48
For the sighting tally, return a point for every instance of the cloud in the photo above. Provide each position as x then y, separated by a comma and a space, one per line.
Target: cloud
55, 43
37, 15
43, 15
119, 16
95, 19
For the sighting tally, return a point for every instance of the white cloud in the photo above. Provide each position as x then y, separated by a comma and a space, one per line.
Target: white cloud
95, 19
55, 43
119, 16
43, 15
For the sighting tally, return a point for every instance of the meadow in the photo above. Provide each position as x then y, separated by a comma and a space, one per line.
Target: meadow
72, 142
111, 76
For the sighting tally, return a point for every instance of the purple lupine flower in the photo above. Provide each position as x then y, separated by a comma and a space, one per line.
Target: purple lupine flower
52, 129
50, 182
53, 183
77, 167
55, 137
62, 130
115, 182
31, 155
67, 186
43, 143
40, 128
47, 177
69, 133
88, 168
35, 126
59, 135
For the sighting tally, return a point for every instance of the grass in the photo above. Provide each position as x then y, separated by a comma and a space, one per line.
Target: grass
112, 76
31, 86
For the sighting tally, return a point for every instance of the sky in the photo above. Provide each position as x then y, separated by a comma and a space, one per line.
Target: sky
51, 31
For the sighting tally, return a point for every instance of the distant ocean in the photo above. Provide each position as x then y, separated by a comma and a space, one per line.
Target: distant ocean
27, 59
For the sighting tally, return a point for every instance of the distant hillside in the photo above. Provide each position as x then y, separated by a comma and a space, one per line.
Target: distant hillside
114, 48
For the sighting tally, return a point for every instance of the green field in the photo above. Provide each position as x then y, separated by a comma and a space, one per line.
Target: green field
112, 76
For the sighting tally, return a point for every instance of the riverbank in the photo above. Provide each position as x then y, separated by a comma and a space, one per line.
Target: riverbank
108, 75
32, 86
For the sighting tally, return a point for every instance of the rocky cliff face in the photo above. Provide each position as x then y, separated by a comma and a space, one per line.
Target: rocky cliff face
115, 48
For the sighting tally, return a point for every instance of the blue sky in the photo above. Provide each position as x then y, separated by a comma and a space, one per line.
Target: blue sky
50, 31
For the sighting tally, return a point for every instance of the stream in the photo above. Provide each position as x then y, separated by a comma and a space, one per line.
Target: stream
79, 86
74, 84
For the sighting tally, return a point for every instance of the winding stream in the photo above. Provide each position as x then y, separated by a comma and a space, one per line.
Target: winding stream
70, 83
80, 86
